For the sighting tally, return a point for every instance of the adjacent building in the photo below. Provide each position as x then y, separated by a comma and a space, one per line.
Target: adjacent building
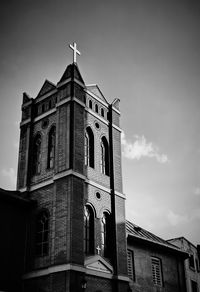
192, 267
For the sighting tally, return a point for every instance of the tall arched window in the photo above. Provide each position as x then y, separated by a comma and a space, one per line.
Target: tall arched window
104, 156
42, 233
88, 230
37, 154
51, 147
89, 147
102, 112
105, 235
96, 108
90, 104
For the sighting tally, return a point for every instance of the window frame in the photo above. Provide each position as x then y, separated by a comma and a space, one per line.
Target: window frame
51, 148
42, 233
156, 270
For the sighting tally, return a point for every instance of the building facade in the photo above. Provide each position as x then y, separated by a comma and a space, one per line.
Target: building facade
153, 263
191, 264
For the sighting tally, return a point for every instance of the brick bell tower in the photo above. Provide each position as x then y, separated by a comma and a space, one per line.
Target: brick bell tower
70, 164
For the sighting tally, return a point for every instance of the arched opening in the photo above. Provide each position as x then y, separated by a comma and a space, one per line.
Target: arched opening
37, 154
51, 148
105, 234
88, 230
104, 156
42, 233
89, 147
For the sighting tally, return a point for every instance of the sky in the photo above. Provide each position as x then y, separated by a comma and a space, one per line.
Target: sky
147, 54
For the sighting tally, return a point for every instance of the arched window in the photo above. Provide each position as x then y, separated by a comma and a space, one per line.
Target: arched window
50, 104
90, 104
43, 108
37, 154
42, 233
104, 156
96, 108
102, 112
88, 230
89, 147
51, 147
105, 235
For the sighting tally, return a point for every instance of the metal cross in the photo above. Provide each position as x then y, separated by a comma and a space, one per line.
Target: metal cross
75, 51
98, 250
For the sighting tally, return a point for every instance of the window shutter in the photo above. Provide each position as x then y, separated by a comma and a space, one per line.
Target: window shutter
156, 271
130, 264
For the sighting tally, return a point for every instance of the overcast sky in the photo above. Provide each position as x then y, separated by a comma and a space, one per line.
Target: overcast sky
145, 52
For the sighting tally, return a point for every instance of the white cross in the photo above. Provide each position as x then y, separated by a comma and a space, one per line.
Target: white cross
98, 250
75, 52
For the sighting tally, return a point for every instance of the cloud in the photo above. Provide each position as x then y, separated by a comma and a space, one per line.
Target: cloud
141, 148
176, 219
11, 175
196, 191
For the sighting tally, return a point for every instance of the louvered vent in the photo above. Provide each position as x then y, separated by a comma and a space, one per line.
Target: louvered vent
131, 272
156, 271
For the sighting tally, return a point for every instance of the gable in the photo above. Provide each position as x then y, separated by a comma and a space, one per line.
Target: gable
95, 89
97, 263
46, 87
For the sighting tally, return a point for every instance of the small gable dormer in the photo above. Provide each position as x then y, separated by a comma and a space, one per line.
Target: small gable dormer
46, 87
95, 90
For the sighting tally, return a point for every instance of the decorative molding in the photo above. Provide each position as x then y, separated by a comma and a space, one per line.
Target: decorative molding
51, 92
123, 196
53, 269
63, 82
79, 83
116, 110
65, 100
67, 173
117, 128
96, 116
78, 101
25, 122
44, 115
94, 184
25, 105
41, 185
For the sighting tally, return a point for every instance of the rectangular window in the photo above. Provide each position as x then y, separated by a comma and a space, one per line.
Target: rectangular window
197, 265
191, 261
194, 286
156, 271
130, 263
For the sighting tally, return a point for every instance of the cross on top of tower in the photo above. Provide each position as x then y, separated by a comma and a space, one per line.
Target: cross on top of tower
75, 51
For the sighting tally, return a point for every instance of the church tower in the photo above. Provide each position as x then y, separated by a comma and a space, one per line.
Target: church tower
70, 164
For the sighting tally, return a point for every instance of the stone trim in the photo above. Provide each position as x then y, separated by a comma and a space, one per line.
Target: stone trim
63, 82
45, 95
65, 100
97, 116
117, 128
96, 97
44, 115
25, 122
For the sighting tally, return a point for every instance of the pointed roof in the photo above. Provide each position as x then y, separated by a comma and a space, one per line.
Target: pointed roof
138, 232
72, 70
94, 88
46, 87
